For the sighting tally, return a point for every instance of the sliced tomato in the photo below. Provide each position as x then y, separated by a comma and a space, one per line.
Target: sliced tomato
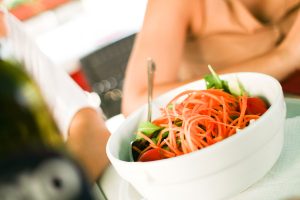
256, 106
151, 155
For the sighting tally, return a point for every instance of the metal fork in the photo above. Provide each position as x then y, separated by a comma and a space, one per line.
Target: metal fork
150, 74
151, 70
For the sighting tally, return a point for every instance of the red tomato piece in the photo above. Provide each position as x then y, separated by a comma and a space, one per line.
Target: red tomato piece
256, 106
151, 155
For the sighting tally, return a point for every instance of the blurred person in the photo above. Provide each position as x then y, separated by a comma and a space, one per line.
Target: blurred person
33, 158
183, 37
76, 112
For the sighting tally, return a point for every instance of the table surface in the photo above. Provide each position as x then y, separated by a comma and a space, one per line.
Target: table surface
112, 187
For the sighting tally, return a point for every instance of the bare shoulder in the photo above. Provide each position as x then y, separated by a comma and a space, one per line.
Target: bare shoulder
179, 10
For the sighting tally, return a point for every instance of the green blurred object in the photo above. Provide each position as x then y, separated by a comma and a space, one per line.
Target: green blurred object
292, 106
26, 124
14, 3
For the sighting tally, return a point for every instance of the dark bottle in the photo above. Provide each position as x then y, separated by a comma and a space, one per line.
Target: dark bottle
34, 163
25, 121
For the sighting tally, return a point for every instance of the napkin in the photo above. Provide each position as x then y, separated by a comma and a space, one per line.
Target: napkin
282, 182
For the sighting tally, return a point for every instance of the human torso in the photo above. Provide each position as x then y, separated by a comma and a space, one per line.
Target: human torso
233, 31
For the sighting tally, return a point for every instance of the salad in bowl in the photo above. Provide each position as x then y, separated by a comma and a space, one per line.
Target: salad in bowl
195, 119
214, 137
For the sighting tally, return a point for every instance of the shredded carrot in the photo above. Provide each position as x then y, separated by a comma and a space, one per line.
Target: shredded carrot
207, 117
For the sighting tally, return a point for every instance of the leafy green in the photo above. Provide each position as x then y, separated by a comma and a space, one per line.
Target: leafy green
170, 106
165, 134
213, 81
233, 86
14, 3
148, 128
236, 87
154, 140
233, 117
178, 122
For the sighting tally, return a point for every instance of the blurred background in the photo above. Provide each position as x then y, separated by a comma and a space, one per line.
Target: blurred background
90, 39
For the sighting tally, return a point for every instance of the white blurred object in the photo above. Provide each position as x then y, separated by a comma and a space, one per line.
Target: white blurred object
124, 15
63, 96
114, 122
97, 23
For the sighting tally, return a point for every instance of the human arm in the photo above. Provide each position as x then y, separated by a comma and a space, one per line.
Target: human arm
280, 61
87, 140
78, 116
276, 60
162, 38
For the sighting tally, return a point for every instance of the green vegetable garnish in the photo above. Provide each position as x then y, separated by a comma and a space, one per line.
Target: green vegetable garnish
165, 134
233, 87
170, 106
236, 88
148, 128
14, 3
213, 81
178, 122
154, 140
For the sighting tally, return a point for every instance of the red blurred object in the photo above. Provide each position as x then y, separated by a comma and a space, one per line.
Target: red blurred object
27, 10
291, 85
80, 79
256, 106
151, 155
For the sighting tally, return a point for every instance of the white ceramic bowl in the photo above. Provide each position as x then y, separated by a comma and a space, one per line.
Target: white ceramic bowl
219, 171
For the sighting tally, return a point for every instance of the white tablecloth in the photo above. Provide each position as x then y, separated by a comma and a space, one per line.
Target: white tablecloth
283, 180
